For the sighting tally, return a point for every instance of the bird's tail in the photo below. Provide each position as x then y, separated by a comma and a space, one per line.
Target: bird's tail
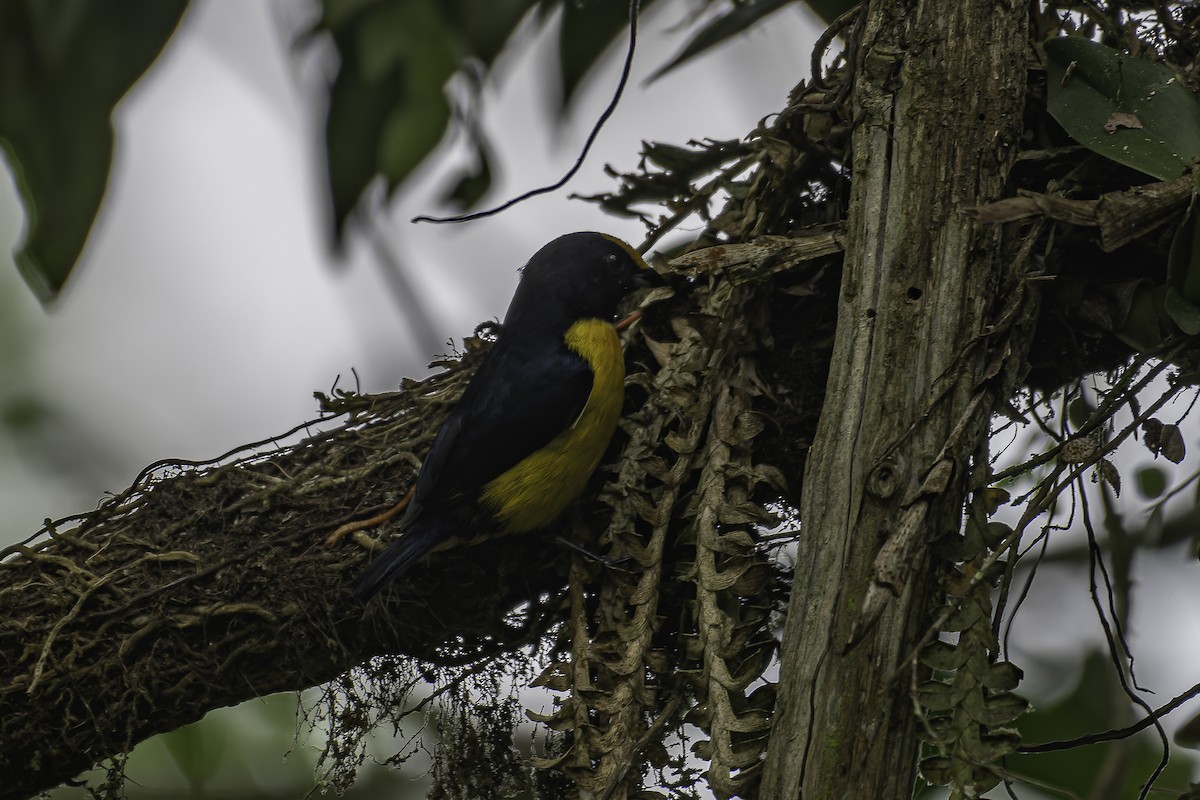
396, 559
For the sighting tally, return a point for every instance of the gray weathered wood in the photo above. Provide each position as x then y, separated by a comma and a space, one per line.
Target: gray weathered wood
938, 92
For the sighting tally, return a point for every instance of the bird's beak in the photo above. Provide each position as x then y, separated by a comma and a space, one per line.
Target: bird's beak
646, 279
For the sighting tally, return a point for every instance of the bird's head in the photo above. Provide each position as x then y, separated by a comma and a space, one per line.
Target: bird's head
579, 276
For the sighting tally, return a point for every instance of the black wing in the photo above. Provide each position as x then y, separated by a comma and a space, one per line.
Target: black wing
515, 405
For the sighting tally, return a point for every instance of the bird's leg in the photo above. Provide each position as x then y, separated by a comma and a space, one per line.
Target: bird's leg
628, 320
370, 522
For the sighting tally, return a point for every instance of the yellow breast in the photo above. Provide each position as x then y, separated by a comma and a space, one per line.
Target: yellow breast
535, 491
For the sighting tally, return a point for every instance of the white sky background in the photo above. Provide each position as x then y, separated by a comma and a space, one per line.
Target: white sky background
206, 309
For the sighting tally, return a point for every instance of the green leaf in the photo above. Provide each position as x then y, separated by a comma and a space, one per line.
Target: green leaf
1152, 482
587, 29
66, 65
410, 133
1183, 262
1130, 110
1148, 325
1003, 676
1079, 411
944, 656
996, 710
483, 28
1182, 313
938, 696
995, 532
993, 747
939, 729
353, 130
738, 19
472, 183
1188, 734
829, 10
968, 616
387, 109
1096, 703
937, 770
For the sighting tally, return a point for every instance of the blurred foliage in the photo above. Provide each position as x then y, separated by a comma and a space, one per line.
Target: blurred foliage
222, 756
730, 24
66, 64
1106, 770
410, 73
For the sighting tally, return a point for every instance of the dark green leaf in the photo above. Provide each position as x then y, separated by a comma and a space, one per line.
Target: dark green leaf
482, 28
937, 770
742, 16
1148, 324
1188, 734
1096, 703
672, 157
1152, 482
969, 615
1183, 262
1130, 110
472, 183
999, 709
1003, 676
66, 64
943, 656
410, 133
1079, 410
388, 108
995, 532
587, 30
938, 696
1185, 315
829, 10
25, 413
993, 747
937, 729
353, 131
338, 13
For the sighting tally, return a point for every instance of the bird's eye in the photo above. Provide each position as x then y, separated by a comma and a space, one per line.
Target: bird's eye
612, 259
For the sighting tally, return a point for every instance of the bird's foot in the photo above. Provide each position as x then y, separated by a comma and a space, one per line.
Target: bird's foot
357, 526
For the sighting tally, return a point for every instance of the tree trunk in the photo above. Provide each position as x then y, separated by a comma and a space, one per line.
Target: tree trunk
937, 100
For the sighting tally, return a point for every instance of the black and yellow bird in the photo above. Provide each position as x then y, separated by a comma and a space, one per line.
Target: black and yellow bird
536, 418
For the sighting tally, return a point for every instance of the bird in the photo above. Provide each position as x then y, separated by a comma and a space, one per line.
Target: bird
536, 418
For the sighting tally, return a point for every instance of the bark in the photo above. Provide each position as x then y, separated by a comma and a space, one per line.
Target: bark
206, 585
937, 98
